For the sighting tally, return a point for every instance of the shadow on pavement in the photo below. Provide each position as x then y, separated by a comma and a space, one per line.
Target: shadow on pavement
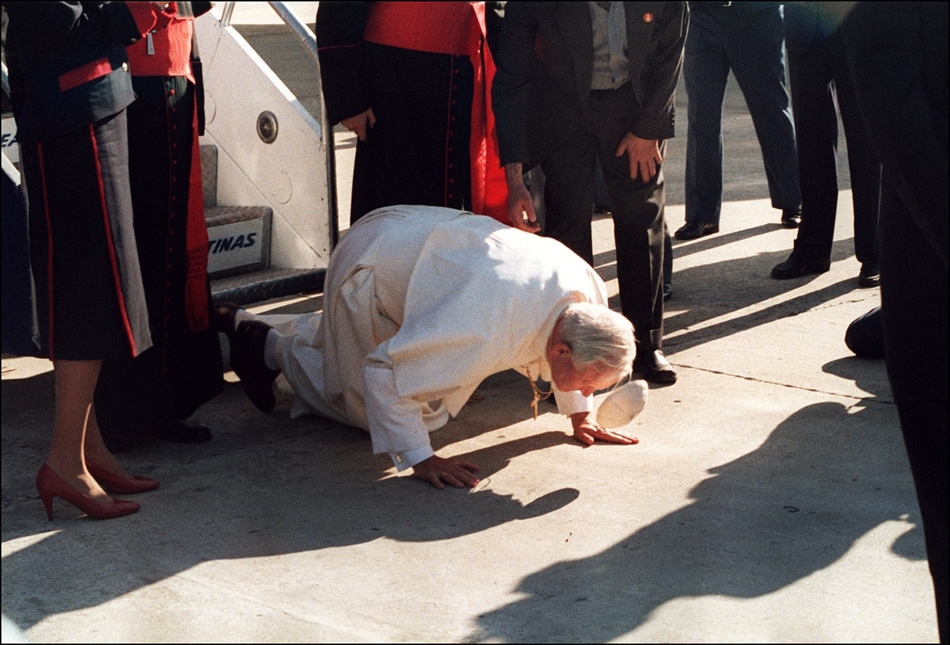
756, 525
723, 288
284, 487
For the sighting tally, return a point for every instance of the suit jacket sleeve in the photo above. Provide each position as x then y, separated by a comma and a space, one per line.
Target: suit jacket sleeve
655, 119
511, 89
340, 27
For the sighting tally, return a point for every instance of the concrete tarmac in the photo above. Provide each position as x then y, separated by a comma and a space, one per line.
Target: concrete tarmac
769, 498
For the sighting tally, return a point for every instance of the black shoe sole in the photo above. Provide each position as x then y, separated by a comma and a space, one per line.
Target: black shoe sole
660, 377
247, 359
708, 229
801, 272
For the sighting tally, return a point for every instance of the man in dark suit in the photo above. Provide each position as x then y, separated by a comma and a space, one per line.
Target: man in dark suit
746, 38
898, 59
819, 79
582, 81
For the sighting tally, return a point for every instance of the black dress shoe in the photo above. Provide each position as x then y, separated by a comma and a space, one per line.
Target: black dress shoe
795, 267
870, 275
184, 432
791, 219
667, 290
247, 359
692, 230
224, 314
865, 335
654, 367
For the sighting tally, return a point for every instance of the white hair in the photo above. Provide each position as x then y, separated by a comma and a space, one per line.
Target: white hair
598, 336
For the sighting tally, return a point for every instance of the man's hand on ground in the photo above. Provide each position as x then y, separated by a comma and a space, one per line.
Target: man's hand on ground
586, 431
436, 470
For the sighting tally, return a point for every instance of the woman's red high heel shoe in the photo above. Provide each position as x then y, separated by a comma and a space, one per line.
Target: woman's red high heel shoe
117, 484
51, 485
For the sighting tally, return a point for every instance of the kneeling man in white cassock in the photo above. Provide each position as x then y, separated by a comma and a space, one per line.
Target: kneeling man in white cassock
421, 304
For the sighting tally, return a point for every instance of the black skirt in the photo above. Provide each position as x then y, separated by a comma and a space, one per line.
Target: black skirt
90, 300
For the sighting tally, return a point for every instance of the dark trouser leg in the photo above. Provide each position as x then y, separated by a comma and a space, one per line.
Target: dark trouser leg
639, 229
914, 309
862, 161
637, 208
924, 425
757, 58
667, 255
569, 193
816, 125
705, 71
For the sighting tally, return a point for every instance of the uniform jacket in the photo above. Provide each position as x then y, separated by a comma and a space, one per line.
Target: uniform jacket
545, 64
68, 64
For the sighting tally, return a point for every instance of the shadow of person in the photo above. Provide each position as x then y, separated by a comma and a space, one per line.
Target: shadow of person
823, 479
304, 493
701, 298
869, 375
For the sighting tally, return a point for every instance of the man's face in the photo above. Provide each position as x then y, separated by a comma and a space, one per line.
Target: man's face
567, 378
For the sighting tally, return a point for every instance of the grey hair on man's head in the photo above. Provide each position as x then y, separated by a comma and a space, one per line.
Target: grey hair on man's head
598, 336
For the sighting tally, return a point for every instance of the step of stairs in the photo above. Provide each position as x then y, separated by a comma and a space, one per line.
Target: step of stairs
266, 284
239, 249
238, 239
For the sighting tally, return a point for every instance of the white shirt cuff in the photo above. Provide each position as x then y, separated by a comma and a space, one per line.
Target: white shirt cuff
410, 458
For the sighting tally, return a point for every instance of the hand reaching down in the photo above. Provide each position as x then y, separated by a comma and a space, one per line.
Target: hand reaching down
436, 470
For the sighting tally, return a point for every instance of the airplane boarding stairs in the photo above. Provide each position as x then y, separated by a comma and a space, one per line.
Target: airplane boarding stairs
267, 166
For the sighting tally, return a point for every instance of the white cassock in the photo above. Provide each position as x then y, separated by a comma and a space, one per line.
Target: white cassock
421, 304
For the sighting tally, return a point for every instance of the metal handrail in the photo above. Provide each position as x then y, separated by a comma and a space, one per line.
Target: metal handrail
6, 80
309, 41
226, 12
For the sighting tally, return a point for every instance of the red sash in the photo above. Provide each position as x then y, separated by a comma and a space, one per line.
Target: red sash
196, 243
171, 51
456, 28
